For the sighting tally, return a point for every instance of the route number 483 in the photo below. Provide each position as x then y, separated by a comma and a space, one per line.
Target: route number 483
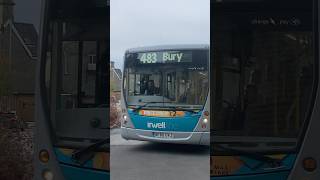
148, 58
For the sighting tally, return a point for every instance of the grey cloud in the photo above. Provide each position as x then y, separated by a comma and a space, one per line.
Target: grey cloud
28, 11
153, 22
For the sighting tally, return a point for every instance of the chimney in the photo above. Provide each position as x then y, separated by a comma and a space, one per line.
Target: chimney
6, 11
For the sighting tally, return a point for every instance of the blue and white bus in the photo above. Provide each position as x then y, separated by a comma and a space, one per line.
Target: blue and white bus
72, 91
165, 94
265, 73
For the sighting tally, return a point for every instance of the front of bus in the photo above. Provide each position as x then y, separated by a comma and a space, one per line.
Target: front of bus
264, 72
72, 93
164, 94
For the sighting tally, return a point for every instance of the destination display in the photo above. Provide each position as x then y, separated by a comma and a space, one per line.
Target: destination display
165, 57
280, 21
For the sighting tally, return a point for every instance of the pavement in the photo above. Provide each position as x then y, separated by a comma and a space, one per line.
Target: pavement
139, 160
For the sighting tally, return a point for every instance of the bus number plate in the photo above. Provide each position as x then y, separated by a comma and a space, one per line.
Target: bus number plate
163, 135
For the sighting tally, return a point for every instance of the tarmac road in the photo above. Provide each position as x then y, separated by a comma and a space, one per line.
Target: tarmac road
137, 160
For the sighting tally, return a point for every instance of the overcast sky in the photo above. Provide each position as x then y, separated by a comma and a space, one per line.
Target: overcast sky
28, 11
136, 23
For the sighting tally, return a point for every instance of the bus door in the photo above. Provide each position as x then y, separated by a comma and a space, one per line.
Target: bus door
307, 163
75, 82
264, 80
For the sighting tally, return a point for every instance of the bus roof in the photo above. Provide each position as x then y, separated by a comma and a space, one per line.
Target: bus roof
169, 47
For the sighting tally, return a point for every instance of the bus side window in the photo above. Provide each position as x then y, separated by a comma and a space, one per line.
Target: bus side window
137, 85
68, 88
125, 84
131, 84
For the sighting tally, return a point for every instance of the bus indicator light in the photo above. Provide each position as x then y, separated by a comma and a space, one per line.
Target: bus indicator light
206, 113
309, 164
44, 156
204, 126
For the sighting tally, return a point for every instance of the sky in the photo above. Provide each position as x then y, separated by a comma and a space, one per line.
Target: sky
28, 11
136, 23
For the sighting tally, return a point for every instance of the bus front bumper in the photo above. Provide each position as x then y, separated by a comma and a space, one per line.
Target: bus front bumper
278, 175
200, 138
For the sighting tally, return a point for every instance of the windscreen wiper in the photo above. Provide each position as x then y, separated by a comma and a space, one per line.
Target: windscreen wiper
252, 155
83, 155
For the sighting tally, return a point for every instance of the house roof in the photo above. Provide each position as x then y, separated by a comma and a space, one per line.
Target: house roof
27, 35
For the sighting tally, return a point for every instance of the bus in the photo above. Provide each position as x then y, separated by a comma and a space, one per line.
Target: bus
72, 91
165, 94
265, 74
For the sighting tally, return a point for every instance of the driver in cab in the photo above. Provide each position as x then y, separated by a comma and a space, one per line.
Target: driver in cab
149, 87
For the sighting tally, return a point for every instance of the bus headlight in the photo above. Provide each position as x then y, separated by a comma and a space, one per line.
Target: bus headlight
125, 117
205, 120
126, 121
44, 156
47, 174
204, 123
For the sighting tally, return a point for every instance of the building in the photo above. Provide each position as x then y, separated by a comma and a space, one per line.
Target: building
18, 56
115, 78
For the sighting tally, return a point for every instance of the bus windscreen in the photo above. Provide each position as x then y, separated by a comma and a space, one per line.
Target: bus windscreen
175, 77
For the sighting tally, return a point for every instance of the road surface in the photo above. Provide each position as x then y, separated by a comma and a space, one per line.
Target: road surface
136, 160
